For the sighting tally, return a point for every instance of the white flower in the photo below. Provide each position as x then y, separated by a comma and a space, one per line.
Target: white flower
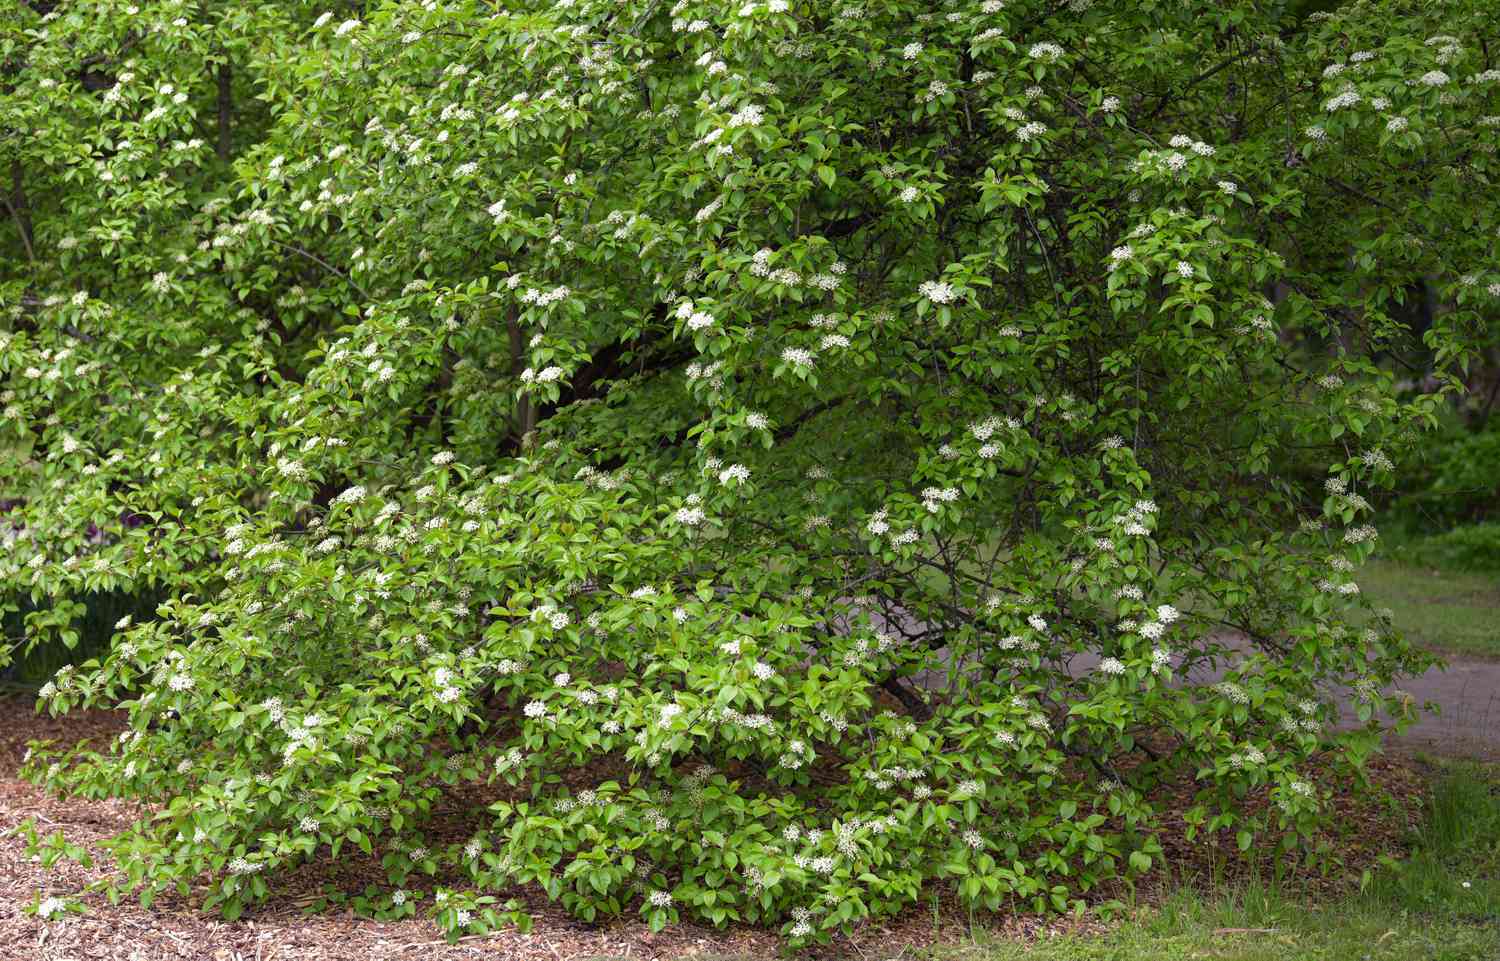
748, 116
1047, 52
708, 211
661, 899
1434, 78
1112, 666
1348, 98
1030, 131
308, 825
938, 292
345, 28
1232, 691
50, 908
1184, 269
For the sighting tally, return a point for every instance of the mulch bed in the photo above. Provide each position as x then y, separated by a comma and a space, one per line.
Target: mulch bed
282, 930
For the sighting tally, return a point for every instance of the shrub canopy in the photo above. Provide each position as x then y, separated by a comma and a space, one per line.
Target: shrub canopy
733, 461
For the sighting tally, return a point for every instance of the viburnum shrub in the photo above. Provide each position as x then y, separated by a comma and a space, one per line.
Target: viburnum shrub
735, 461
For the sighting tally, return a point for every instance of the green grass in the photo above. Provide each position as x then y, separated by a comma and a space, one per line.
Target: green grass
1441, 904
1445, 610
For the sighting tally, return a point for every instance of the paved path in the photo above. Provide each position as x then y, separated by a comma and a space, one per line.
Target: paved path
1468, 694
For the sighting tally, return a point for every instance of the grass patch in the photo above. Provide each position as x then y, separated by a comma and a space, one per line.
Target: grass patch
1441, 904
1443, 610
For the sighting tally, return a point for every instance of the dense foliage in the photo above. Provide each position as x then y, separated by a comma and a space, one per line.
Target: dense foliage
735, 460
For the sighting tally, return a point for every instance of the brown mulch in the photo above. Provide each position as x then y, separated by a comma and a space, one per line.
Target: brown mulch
281, 929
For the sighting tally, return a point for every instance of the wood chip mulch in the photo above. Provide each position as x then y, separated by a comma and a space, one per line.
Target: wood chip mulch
282, 930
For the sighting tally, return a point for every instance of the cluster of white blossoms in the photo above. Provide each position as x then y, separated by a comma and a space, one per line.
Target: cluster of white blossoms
1346, 98
1046, 52
545, 376
749, 115
933, 498
1030, 131
938, 291
1233, 692
545, 298
798, 357
240, 866
700, 320
50, 908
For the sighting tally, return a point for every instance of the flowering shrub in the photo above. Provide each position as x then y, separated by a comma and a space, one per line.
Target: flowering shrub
752, 459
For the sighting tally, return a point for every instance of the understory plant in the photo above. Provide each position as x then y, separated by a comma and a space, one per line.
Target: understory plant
723, 461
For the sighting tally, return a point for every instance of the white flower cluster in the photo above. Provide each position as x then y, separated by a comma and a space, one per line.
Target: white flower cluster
938, 292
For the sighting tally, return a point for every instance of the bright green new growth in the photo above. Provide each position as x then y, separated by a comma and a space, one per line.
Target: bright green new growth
696, 440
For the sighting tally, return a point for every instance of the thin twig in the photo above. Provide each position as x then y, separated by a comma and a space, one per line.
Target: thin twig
324, 264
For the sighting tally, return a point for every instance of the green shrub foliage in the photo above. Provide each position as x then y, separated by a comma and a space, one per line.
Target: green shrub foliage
730, 461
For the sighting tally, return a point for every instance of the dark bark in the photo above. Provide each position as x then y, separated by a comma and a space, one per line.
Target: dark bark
911, 700
19, 211
526, 411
